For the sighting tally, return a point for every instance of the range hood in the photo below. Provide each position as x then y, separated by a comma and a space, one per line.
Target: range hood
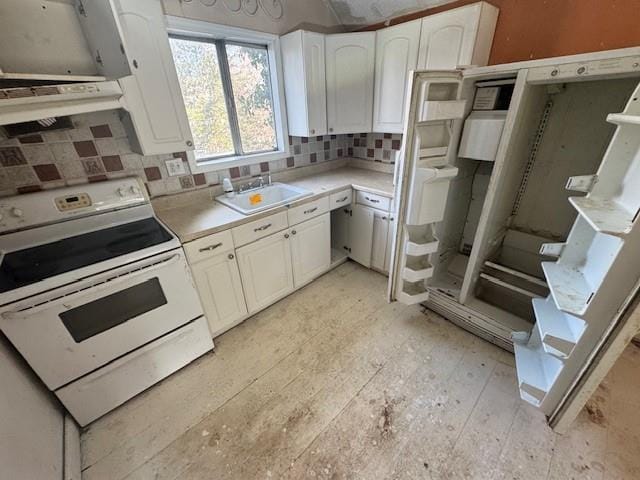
27, 97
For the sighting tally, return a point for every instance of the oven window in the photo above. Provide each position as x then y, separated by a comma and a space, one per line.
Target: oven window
100, 315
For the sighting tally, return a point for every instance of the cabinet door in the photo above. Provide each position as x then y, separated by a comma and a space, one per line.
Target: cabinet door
311, 249
350, 67
396, 56
157, 119
303, 65
379, 241
220, 289
457, 37
265, 269
361, 234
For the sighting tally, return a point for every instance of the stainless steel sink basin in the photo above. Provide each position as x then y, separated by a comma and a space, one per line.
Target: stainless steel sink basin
260, 199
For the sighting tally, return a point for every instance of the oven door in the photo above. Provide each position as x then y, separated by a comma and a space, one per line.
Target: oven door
68, 332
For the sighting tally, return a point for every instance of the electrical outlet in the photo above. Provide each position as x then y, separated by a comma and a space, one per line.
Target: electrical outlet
175, 167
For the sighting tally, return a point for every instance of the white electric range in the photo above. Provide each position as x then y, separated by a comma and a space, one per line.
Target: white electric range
96, 293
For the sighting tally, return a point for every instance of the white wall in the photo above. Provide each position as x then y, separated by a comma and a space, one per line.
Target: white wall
31, 423
293, 14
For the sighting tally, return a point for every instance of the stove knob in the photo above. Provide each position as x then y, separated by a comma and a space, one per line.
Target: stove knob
16, 212
122, 192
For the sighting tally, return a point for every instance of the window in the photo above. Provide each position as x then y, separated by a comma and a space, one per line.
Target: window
227, 93
229, 85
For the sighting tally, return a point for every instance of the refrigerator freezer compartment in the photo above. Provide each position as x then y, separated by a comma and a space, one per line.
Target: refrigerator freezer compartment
481, 135
558, 331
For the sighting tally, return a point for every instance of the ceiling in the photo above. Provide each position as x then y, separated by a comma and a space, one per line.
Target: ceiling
357, 13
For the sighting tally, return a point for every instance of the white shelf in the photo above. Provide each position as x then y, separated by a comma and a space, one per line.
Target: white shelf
537, 370
433, 139
421, 241
569, 289
509, 286
582, 267
623, 119
416, 269
559, 331
435, 110
413, 293
433, 152
604, 216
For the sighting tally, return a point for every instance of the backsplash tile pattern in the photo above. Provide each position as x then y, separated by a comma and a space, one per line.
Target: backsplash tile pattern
376, 147
97, 149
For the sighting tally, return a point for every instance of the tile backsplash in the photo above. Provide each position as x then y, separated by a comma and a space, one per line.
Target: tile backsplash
97, 149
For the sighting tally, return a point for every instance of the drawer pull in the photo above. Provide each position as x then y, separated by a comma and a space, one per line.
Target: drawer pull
311, 210
264, 227
373, 200
231, 256
343, 199
211, 247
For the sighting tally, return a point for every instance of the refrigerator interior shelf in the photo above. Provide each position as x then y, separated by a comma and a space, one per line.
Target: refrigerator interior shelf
417, 268
604, 216
413, 293
537, 371
559, 331
442, 110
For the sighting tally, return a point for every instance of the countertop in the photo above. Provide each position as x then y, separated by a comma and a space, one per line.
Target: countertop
203, 216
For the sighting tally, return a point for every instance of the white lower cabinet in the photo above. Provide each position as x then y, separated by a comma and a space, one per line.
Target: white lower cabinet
379, 243
311, 249
220, 289
266, 270
361, 234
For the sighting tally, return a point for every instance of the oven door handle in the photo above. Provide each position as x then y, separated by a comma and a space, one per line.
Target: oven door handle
85, 288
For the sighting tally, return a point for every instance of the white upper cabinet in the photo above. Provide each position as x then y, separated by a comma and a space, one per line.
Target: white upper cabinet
129, 41
152, 93
458, 37
350, 60
303, 65
396, 56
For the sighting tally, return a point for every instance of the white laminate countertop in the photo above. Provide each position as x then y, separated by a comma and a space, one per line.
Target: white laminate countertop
204, 216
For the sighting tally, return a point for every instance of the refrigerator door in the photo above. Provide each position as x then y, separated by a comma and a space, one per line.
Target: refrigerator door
593, 280
431, 133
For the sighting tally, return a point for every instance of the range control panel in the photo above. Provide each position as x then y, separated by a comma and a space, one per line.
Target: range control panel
27, 211
73, 202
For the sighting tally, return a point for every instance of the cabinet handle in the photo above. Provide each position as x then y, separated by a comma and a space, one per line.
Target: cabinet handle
313, 131
372, 200
264, 227
189, 143
384, 218
293, 232
211, 247
311, 210
331, 129
343, 199
286, 235
231, 257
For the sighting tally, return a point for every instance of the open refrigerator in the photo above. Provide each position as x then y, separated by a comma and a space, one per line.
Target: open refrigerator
518, 193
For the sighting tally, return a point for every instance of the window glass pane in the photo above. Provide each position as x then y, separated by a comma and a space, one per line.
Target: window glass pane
201, 84
249, 70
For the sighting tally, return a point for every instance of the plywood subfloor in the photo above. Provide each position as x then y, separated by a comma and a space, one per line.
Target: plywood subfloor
333, 382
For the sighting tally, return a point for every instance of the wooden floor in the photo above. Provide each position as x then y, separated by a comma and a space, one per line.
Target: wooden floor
333, 382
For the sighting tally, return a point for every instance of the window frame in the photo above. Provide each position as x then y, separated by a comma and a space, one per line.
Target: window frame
204, 31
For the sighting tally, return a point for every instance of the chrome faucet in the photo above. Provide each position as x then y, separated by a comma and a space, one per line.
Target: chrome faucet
252, 185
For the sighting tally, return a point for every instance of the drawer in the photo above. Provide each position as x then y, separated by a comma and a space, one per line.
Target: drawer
373, 200
252, 231
110, 386
340, 199
208, 246
308, 210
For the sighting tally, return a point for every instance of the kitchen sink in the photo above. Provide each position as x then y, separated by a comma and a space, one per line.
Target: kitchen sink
263, 198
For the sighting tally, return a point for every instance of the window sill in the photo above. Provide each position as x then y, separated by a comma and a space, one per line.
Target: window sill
237, 161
